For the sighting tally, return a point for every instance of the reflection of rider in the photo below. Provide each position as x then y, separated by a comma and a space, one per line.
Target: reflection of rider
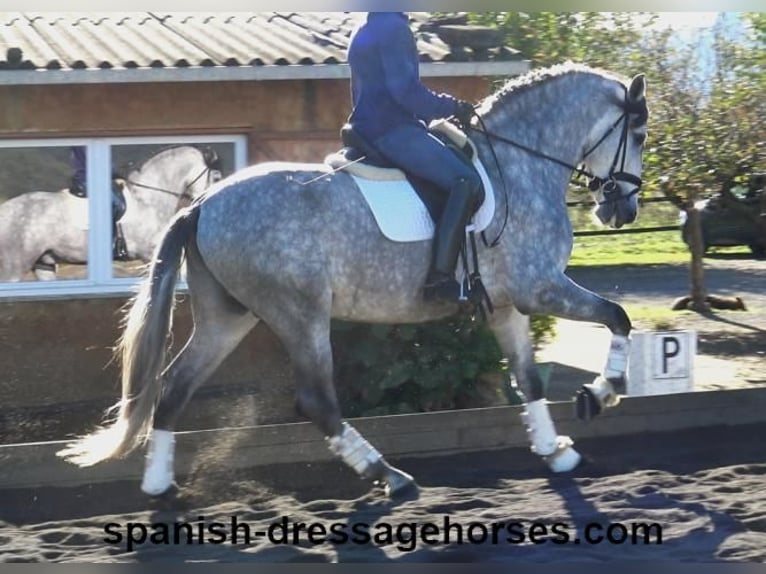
78, 187
390, 110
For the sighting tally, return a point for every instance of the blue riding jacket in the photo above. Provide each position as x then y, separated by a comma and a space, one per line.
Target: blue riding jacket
386, 91
78, 163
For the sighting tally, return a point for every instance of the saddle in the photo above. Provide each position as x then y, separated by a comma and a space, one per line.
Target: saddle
360, 158
119, 206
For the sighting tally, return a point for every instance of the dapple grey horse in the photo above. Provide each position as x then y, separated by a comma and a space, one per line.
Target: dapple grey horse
296, 247
50, 227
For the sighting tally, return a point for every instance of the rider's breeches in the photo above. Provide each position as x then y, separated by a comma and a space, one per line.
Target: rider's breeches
417, 152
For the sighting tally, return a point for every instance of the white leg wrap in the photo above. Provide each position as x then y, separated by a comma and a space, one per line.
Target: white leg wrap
556, 450
158, 472
354, 449
540, 427
617, 361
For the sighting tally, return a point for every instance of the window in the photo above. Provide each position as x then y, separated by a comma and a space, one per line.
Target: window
82, 216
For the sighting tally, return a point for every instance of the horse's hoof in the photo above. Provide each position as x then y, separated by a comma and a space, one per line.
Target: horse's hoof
395, 482
586, 404
565, 458
156, 490
156, 485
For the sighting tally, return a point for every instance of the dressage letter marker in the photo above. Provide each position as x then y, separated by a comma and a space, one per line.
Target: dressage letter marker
661, 362
670, 349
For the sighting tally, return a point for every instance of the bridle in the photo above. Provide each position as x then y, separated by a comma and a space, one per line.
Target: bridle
607, 184
183, 195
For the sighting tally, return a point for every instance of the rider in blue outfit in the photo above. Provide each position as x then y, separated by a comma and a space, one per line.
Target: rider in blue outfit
78, 187
391, 108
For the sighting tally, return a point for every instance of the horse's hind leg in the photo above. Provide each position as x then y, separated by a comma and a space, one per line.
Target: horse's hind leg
220, 323
511, 330
305, 333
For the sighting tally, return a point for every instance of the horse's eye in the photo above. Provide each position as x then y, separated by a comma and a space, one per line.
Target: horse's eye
639, 139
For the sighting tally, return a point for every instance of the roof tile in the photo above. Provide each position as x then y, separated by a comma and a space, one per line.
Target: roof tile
72, 40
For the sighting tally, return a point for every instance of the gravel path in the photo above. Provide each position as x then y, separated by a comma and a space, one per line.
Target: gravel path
731, 344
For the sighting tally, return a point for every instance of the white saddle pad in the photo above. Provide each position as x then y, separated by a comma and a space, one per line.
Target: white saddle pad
402, 215
77, 210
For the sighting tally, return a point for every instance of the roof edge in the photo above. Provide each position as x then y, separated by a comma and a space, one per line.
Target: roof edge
243, 73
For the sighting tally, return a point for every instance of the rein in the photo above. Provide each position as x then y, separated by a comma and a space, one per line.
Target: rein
183, 195
608, 184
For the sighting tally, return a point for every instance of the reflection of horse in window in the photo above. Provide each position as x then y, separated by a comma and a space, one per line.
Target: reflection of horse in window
297, 245
39, 229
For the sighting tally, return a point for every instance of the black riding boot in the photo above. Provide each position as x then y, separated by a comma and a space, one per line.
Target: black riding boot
119, 247
77, 188
448, 239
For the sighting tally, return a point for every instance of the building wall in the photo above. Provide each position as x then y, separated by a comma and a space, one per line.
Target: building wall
56, 375
292, 120
59, 374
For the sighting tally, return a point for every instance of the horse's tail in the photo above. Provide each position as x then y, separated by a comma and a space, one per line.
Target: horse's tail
141, 349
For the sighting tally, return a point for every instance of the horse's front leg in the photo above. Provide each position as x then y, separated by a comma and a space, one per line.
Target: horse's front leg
45, 268
562, 297
511, 330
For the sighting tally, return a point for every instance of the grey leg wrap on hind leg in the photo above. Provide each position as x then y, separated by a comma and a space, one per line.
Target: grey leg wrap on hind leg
368, 463
355, 451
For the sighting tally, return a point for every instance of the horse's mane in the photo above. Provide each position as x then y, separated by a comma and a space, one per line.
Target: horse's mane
535, 78
209, 155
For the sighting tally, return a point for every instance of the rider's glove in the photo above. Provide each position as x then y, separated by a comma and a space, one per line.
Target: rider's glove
464, 113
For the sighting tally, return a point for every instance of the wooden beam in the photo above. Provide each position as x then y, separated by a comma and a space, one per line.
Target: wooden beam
424, 434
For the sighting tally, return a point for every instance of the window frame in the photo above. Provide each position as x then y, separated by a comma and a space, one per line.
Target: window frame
99, 281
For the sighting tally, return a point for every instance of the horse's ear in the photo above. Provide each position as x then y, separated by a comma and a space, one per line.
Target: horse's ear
637, 90
211, 158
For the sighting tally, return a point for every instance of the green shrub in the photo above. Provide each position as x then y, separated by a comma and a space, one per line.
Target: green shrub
391, 369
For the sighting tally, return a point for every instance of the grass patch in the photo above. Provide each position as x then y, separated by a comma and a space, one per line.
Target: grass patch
630, 248
661, 247
656, 318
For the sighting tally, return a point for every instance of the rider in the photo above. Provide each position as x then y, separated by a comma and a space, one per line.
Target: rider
391, 108
79, 188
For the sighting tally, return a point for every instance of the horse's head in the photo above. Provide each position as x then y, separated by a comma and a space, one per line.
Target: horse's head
174, 176
210, 174
614, 156
215, 165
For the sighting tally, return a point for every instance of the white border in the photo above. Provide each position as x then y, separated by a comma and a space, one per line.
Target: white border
100, 282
